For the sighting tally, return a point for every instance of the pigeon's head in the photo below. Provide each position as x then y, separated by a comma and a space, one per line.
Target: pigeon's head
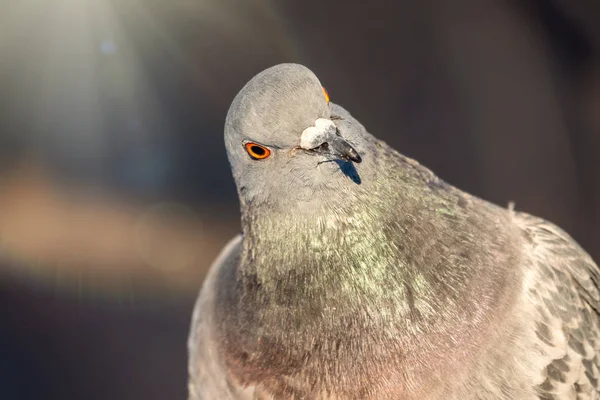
286, 141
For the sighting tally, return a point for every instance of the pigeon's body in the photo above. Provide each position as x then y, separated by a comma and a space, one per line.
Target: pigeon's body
377, 280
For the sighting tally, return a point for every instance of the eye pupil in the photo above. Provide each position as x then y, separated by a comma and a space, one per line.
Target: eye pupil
259, 151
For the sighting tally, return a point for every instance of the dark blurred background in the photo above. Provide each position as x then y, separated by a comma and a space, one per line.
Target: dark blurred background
115, 192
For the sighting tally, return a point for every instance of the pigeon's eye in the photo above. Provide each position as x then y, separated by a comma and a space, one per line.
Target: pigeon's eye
326, 94
257, 152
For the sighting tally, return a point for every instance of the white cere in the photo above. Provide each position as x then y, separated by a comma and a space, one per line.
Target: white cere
316, 135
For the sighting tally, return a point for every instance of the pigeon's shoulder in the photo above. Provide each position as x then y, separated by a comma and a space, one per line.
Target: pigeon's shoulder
563, 291
207, 375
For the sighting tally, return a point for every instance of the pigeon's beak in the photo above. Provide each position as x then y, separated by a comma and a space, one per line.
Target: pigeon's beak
324, 138
338, 147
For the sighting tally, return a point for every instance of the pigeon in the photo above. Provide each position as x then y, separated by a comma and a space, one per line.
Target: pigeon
359, 274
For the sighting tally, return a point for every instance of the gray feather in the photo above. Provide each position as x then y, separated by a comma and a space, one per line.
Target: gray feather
377, 280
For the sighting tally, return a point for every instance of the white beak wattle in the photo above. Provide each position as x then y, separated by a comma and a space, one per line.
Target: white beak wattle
314, 136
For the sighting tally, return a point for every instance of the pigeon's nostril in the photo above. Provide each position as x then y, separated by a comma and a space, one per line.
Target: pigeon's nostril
322, 148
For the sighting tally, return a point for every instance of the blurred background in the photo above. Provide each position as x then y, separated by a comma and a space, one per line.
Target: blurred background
115, 192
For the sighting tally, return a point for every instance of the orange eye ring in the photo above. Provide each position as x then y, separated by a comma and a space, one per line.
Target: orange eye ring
326, 94
256, 151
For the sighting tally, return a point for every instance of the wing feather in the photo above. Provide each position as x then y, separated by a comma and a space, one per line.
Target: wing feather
207, 376
566, 296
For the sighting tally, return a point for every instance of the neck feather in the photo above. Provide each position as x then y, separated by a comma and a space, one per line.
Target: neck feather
400, 260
